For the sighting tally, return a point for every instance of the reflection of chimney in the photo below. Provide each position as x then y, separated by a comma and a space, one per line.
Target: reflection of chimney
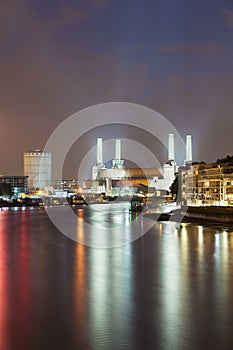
118, 150
188, 149
171, 147
99, 150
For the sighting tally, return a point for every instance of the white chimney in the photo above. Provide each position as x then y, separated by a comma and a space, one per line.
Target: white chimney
117, 162
188, 149
99, 150
118, 150
171, 147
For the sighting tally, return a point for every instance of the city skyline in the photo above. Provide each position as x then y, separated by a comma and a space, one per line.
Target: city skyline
61, 57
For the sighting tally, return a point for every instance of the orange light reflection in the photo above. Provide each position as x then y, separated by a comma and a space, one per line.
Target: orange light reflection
80, 275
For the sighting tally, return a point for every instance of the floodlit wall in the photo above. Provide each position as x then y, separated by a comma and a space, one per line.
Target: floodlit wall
37, 166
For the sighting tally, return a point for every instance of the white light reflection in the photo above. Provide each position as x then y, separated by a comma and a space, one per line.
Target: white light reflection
114, 229
184, 243
223, 268
221, 245
200, 243
224, 250
110, 293
225, 239
217, 240
171, 280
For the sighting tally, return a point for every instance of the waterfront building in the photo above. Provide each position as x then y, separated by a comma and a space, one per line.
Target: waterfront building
37, 166
206, 184
66, 185
19, 184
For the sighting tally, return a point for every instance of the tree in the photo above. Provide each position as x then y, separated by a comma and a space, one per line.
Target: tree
6, 190
195, 163
228, 160
175, 189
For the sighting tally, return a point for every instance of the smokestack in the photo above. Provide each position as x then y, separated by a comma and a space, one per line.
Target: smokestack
171, 147
118, 150
117, 162
188, 149
99, 150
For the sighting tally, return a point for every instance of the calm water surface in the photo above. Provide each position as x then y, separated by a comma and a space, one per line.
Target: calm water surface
170, 289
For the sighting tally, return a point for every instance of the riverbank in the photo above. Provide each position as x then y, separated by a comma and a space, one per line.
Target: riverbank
212, 214
27, 202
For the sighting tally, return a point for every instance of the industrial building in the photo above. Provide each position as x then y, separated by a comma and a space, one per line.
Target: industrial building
37, 166
118, 178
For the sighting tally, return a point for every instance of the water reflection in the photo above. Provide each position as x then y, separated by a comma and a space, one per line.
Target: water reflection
22, 307
4, 282
170, 289
173, 279
110, 295
105, 229
15, 271
196, 276
80, 292
200, 248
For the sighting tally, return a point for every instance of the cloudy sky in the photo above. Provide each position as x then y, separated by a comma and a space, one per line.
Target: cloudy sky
57, 57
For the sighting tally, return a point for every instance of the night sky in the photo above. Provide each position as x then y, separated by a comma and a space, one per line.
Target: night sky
57, 57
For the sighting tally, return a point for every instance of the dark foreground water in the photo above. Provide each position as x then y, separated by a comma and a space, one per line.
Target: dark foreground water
170, 289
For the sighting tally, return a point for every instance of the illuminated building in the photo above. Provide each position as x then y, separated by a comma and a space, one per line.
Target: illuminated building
206, 184
19, 184
157, 179
37, 166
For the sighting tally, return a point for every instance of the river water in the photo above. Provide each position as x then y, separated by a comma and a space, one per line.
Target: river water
170, 289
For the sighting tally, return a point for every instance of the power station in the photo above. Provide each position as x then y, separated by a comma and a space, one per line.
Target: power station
118, 177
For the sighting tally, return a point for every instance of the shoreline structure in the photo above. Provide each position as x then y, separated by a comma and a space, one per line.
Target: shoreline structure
215, 214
